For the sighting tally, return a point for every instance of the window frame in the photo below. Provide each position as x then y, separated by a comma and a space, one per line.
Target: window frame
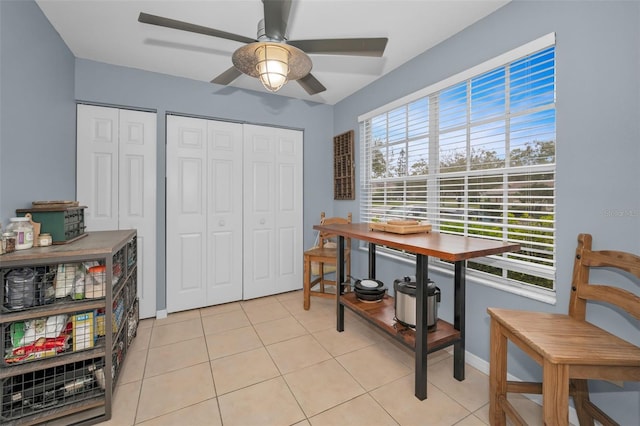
529, 290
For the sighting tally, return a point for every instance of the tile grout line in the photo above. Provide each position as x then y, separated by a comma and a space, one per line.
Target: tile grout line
213, 379
276, 365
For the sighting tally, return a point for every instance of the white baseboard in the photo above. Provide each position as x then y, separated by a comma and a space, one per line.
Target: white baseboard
483, 366
161, 314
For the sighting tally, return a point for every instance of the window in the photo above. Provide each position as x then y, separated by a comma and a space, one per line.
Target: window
475, 156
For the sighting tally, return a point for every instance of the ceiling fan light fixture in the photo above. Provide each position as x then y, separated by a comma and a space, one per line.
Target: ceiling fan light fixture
272, 62
272, 66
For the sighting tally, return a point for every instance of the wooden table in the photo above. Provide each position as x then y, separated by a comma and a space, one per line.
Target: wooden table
453, 248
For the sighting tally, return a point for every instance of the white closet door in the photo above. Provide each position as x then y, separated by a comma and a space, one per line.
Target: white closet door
204, 212
97, 166
137, 197
186, 213
234, 212
272, 211
116, 180
224, 212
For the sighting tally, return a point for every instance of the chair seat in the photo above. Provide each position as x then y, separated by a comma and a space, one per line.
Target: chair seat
322, 255
319, 252
562, 339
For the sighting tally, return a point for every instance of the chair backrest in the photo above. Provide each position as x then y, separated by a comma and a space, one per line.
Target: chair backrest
325, 237
582, 290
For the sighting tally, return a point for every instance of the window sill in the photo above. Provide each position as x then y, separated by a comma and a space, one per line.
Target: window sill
540, 295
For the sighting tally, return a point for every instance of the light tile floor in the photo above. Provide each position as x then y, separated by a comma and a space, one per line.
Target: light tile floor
269, 362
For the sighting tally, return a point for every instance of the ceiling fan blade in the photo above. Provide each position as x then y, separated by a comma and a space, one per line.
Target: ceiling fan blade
146, 18
311, 84
343, 46
227, 77
276, 17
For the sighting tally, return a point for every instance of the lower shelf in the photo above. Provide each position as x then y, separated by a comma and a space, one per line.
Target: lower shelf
382, 314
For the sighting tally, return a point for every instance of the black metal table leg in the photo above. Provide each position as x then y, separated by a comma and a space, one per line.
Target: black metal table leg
340, 284
372, 261
459, 284
422, 314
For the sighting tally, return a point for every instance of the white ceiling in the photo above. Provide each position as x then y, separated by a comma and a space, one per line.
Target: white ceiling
108, 31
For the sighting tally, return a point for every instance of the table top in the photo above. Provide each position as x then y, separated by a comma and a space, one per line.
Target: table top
443, 246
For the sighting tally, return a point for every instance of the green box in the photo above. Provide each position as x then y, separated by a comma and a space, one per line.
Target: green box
63, 223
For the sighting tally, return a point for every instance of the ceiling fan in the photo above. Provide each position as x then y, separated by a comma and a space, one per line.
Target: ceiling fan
271, 57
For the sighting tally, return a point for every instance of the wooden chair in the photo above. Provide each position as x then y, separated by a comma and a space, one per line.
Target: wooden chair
568, 347
321, 260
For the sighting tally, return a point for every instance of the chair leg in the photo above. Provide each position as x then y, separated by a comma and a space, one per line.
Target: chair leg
555, 394
497, 375
580, 400
321, 276
307, 283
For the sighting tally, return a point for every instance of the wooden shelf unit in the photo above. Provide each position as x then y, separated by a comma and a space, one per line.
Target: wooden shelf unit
343, 167
67, 384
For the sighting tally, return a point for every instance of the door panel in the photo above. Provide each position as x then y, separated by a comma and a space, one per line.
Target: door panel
289, 186
273, 186
137, 197
221, 249
261, 261
191, 260
287, 244
116, 180
186, 218
101, 189
259, 212
224, 212
133, 193
190, 176
97, 166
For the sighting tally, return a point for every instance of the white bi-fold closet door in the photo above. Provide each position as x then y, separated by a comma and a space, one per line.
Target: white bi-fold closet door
116, 180
234, 211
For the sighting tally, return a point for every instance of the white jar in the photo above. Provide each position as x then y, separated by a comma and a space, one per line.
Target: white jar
23, 229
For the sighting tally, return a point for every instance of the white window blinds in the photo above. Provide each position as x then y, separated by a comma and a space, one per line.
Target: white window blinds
476, 158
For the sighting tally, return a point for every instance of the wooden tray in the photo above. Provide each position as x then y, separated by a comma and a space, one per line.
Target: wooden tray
54, 204
397, 228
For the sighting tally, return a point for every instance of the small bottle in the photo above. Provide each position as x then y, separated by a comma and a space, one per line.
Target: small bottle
44, 240
23, 229
9, 242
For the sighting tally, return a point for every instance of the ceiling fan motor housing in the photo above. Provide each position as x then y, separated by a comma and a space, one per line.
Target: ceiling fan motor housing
262, 34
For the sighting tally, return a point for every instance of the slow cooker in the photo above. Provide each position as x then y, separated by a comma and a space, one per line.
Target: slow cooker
405, 302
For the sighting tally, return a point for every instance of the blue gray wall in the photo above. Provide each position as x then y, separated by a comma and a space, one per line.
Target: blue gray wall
598, 151
37, 110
